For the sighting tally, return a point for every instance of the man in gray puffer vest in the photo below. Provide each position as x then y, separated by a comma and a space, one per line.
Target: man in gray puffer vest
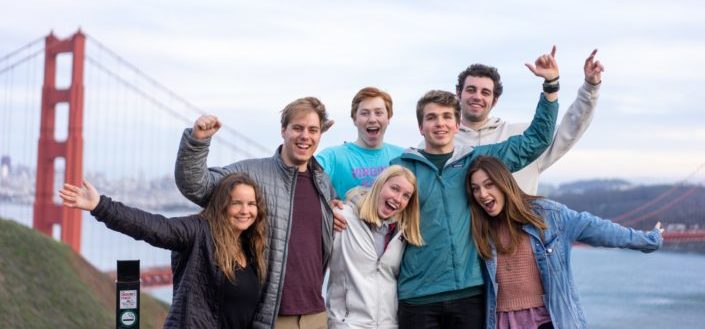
297, 193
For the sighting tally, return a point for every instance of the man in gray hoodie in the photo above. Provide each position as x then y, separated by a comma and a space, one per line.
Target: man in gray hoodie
479, 88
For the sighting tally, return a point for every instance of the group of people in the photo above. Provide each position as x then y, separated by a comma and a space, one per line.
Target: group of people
436, 236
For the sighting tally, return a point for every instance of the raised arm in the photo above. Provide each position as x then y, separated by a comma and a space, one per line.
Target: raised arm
157, 230
595, 231
579, 115
518, 151
193, 177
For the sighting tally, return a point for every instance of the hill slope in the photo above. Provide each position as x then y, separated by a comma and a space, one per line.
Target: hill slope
43, 284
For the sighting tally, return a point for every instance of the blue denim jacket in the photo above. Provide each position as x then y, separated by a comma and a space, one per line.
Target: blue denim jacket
552, 253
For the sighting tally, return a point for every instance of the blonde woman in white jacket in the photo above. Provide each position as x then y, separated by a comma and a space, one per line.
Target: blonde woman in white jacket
362, 289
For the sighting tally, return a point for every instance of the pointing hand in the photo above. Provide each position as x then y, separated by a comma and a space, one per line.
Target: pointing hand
593, 69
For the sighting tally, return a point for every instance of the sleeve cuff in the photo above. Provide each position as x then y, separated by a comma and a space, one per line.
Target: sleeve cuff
195, 142
102, 205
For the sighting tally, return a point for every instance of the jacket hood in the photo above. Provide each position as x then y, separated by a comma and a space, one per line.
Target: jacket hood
459, 151
492, 123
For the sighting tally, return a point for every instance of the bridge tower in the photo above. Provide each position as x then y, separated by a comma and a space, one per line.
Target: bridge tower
46, 212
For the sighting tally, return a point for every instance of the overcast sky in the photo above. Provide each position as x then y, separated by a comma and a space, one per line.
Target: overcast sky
244, 60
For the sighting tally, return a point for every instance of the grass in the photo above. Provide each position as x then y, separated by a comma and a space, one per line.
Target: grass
44, 284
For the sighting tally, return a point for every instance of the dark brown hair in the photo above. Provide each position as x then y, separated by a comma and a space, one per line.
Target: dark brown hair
480, 71
228, 246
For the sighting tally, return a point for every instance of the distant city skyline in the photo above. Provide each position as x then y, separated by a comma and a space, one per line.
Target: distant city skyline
244, 61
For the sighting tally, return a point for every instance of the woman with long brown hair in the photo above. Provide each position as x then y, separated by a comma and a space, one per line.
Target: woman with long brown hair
220, 266
525, 242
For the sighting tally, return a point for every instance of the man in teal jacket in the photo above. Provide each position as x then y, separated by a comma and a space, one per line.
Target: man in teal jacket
440, 283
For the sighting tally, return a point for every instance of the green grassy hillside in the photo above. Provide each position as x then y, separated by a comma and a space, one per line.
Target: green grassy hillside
43, 284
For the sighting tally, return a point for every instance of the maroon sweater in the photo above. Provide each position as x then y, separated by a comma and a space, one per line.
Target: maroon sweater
303, 279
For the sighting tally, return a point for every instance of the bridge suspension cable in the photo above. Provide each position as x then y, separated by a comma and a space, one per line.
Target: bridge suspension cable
17, 52
241, 137
155, 101
623, 217
21, 49
665, 207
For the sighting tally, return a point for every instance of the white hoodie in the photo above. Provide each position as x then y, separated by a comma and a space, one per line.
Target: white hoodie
362, 288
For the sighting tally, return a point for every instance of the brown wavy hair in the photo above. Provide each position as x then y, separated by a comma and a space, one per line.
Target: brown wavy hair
517, 209
304, 105
227, 244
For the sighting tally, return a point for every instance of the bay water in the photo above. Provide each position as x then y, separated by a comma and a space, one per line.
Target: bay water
618, 288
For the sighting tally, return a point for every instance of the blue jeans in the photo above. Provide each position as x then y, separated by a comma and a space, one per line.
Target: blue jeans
464, 313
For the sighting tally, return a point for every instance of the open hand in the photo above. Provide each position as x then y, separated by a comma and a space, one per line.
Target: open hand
339, 222
658, 227
85, 197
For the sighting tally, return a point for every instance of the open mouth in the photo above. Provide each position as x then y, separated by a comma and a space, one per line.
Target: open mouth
488, 205
303, 147
389, 209
391, 205
373, 131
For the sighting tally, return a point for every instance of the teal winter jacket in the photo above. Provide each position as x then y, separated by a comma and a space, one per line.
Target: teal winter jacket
448, 261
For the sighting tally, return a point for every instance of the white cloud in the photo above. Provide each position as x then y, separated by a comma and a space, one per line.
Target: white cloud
245, 60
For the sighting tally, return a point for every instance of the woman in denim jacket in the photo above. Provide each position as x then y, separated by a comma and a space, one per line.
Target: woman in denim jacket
525, 242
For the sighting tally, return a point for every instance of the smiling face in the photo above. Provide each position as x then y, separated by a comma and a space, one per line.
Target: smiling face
438, 127
476, 100
301, 136
394, 197
242, 210
486, 193
371, 120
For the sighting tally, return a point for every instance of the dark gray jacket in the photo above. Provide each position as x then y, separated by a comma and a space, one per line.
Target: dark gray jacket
196, 304
276, 181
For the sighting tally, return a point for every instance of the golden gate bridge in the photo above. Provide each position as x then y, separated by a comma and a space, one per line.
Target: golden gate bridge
74, 97
66, 98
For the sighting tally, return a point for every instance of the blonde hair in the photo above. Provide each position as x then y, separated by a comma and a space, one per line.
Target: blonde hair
408, 218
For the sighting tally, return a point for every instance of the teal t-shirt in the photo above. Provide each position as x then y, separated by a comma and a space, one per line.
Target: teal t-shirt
350, 165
